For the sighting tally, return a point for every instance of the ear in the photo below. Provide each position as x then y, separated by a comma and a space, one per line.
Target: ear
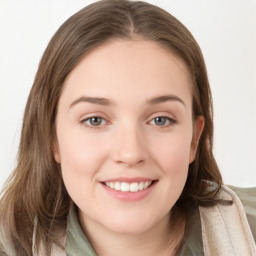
197, 131
56, 151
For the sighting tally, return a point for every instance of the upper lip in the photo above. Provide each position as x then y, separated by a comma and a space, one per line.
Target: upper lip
129, 179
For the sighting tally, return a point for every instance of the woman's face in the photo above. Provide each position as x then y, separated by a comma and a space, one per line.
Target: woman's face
125, 135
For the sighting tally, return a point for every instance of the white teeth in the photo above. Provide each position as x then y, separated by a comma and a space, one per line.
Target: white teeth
117, 186
128, 187
141, 186
125, 187
146, 184
134, 187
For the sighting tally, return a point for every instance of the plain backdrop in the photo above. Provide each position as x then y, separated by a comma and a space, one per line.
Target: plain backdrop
225, 30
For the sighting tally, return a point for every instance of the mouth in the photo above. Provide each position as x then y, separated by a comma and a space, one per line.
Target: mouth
129, 186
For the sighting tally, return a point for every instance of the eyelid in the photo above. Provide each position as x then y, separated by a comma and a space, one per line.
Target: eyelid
162, 114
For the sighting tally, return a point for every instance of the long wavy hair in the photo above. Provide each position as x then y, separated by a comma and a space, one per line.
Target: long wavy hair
35, 189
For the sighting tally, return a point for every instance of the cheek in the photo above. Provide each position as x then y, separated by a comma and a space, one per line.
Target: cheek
78, 153
81, 158
172, 154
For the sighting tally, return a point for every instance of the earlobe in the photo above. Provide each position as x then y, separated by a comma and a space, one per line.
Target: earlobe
56, 152
197, 131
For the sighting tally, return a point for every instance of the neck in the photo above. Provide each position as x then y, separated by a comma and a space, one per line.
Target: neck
159, 240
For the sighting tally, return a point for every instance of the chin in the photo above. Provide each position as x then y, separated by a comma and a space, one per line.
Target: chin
131, 226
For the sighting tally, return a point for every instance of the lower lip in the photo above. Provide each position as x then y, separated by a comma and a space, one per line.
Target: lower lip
130, 196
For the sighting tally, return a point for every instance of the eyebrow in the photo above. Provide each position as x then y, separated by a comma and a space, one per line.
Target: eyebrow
165, 98
93, 100
107, 102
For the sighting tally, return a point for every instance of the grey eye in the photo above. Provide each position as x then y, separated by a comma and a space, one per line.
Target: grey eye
160, 121
95, 121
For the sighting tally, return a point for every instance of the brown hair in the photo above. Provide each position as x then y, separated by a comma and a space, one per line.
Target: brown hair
35, 190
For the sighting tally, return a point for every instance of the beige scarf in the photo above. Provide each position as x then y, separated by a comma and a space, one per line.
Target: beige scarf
225, 229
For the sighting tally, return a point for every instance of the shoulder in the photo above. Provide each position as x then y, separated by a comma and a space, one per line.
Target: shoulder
246, 195
248, 198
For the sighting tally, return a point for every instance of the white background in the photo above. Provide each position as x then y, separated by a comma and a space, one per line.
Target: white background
225, 30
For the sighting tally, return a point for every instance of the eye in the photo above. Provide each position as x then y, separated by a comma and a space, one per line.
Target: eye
162, 121
94, 121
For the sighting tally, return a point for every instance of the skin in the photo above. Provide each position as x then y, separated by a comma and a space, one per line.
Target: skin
128, 142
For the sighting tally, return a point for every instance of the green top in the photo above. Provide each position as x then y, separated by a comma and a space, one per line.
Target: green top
77, 243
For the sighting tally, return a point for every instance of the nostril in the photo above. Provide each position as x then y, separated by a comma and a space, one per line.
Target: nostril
129, 162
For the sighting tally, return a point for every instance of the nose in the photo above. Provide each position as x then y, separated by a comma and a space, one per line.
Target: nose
129, 147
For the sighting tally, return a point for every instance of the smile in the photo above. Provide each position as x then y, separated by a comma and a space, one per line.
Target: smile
128, 187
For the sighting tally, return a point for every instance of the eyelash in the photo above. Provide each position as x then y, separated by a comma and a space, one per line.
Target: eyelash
171, 121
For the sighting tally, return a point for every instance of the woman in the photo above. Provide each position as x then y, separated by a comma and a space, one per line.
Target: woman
115, 155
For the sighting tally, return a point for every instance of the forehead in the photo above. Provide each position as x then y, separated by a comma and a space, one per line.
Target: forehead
136, 65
